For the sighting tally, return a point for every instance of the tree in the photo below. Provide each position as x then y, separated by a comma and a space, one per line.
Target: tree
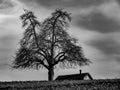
47, 44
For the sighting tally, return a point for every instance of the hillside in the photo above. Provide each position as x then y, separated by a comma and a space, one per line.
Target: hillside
104, 84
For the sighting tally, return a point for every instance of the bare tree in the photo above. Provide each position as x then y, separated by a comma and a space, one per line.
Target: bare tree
47, 44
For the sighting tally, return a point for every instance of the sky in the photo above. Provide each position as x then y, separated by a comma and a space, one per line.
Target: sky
95, 23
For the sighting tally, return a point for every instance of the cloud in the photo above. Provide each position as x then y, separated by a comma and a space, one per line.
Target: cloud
10, 30
4, 4
10, 7
118, 1
66, 3
7, 6
97, 22
97, 15
111, 10
107, 45
108, 55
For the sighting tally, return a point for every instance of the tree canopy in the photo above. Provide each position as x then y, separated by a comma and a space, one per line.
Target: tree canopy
47, 44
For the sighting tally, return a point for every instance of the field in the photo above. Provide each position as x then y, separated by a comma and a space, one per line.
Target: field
105, 84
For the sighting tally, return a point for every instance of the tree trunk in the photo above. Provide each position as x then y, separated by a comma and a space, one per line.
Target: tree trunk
50, 74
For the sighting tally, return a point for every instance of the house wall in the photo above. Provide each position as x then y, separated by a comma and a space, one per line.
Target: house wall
86, 78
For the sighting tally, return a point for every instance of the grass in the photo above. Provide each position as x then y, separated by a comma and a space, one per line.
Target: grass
103, 84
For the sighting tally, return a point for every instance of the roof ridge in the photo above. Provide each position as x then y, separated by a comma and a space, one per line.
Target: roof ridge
74, 74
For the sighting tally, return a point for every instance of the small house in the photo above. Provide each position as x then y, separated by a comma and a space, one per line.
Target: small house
80, 76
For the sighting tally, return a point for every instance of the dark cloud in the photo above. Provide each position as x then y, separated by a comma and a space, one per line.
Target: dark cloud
97, 22
1, 1
118, 1
66, 3
6, 4
107, 46
118, 58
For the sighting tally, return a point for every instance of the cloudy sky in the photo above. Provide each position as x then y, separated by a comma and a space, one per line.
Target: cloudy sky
95, 23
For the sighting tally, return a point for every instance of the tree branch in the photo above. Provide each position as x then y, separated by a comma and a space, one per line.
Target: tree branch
58, 55
36, 40
52, 44
41, 62
59, 58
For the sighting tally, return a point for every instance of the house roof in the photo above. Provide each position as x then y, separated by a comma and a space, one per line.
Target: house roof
74, 77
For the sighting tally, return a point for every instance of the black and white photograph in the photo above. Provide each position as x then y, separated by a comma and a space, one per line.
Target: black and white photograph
59, 44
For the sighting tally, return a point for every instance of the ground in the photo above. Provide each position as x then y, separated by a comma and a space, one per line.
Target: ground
103, 84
